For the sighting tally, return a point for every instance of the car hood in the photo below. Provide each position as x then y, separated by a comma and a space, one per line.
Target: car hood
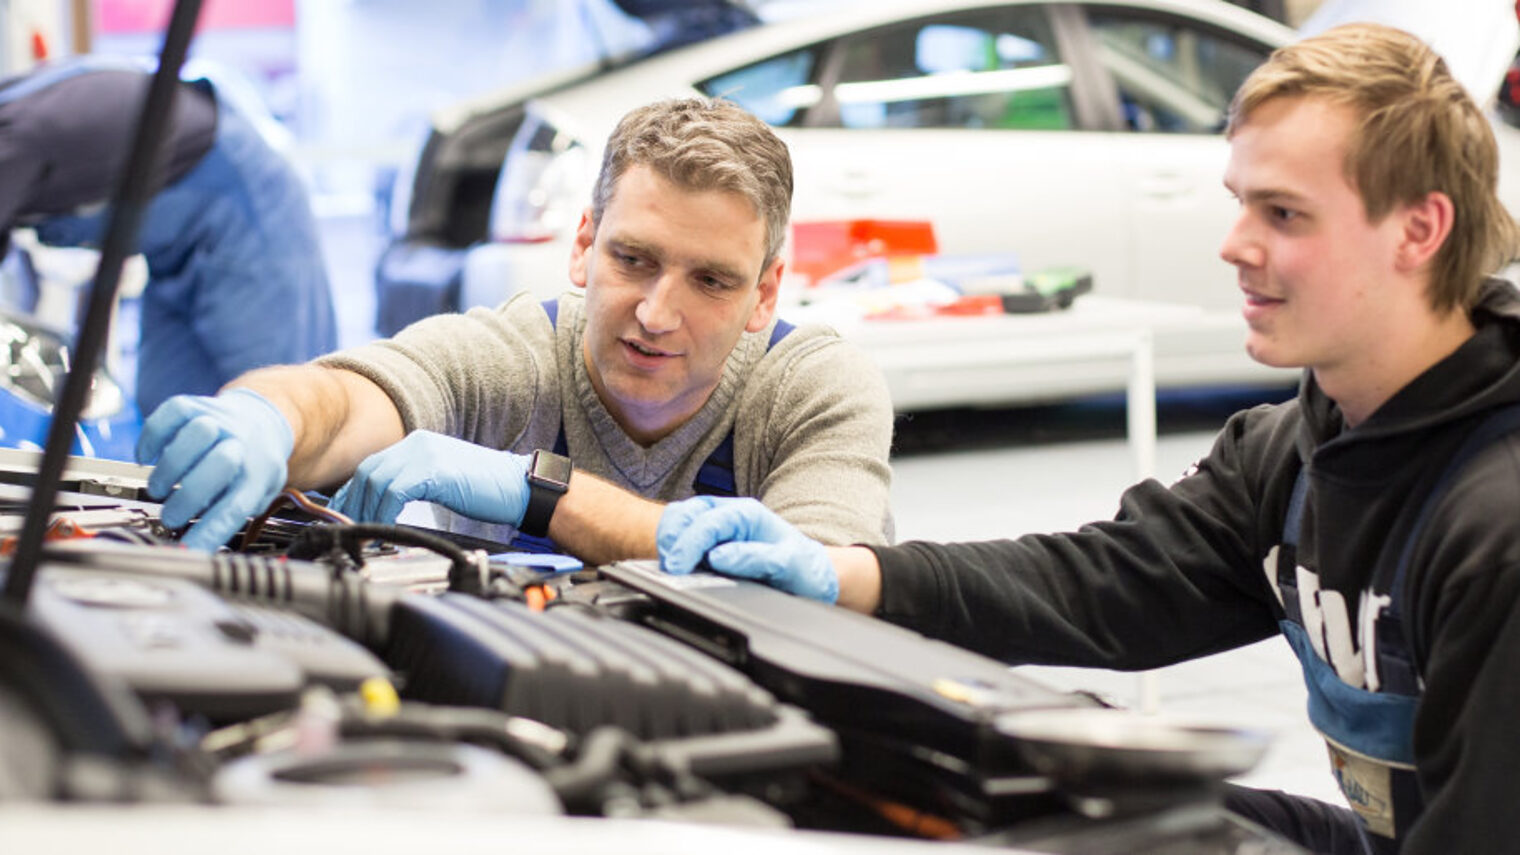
1477, 38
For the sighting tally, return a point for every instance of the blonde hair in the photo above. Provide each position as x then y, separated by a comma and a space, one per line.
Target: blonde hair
704, 144
1418, 131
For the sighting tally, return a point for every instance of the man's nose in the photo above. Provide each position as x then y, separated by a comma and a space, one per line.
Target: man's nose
659, 311
1240, 248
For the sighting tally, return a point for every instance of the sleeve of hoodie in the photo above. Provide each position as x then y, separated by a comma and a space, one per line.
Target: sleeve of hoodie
1464, 591
1176, 574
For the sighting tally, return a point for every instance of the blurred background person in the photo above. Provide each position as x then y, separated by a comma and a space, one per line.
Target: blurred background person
236, 278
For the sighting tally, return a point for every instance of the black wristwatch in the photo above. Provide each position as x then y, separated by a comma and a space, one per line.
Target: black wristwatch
548, 479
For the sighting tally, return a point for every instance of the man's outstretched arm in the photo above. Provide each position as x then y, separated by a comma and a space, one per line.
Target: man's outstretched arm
221, 459
594, 519
337, 417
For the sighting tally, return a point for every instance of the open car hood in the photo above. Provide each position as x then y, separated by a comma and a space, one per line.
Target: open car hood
1477, 38
682, 22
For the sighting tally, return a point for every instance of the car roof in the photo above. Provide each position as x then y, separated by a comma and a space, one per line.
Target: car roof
672, 73
1477, 38
589, 109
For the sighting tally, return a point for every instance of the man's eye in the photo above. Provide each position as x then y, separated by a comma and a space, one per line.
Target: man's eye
1282, 214
714, 283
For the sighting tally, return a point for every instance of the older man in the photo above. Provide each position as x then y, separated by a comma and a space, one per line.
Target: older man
665, 375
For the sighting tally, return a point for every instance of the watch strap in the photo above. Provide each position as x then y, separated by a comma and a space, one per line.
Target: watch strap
544, 492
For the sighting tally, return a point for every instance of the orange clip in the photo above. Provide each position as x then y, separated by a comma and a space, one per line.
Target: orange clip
538, 597
61, 528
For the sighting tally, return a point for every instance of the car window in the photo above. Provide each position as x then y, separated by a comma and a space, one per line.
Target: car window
1171, 75
996, 68
777, 90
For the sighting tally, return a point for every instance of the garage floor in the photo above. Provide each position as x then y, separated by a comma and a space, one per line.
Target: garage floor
985, 474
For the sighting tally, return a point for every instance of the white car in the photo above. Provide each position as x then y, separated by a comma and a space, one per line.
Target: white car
1068, 133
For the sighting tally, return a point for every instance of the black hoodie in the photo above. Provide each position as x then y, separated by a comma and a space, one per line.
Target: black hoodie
1181, 571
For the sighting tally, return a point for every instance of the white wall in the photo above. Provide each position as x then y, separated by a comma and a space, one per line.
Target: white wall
371, 71
20, 20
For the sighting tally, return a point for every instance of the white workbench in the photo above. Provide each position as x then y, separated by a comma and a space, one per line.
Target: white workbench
1100, 344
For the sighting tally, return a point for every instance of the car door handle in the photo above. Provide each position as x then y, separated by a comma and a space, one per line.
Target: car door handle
1165, 186
856, 184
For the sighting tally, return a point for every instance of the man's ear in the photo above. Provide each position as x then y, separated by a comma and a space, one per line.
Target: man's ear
580, 250
1426, 226
769, 288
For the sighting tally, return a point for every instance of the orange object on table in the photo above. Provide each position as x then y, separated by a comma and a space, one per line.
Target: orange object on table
973, 304
970, 305
825, 246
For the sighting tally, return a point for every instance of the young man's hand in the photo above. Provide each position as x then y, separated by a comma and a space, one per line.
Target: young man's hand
741, 537
226, 454
472, 480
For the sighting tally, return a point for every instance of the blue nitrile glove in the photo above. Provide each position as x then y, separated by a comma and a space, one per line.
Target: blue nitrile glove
227, 454
741, 537
469, 479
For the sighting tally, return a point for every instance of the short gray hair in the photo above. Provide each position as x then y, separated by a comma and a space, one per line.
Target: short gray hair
704, 144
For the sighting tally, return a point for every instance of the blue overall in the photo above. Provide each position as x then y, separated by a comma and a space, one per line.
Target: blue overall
1370, 734
236, 278
714, 478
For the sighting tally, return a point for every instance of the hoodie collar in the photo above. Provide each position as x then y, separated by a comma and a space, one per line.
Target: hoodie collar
1481, 374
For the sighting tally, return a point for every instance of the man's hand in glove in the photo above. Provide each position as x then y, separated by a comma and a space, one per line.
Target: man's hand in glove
226, 455
472, 480
741, 537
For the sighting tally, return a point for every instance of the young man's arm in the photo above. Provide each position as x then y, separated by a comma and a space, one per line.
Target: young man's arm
859, 578
1175, 575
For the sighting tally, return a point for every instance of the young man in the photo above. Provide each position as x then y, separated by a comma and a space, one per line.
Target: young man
229, 238
668, 378
1368, 219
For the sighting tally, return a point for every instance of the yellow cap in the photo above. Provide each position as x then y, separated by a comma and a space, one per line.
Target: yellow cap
379, 697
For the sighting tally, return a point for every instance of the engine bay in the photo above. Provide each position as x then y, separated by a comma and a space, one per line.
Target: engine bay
331, 664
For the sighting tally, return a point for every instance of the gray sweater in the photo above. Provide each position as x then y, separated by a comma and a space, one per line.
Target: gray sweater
811, 418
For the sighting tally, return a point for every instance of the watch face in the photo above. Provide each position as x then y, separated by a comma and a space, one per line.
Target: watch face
550, 470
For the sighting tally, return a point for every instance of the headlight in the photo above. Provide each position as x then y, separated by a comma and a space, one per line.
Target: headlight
543, 185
